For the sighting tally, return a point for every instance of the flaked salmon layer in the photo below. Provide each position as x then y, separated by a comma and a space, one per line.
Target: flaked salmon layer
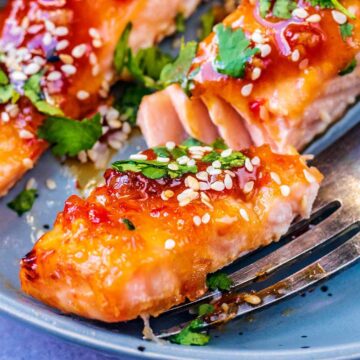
94, 264
291, 91
81, 37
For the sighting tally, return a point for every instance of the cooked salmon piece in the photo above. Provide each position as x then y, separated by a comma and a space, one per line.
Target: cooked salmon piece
146, 240
73, 42
290, 90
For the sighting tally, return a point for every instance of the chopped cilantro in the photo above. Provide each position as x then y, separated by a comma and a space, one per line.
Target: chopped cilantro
153, 169
234, 51
205, 309
4, 80
192, 142
332, 4
6, 93
235, 159
264, 6
69, 136
219, 281
282, 8
219, 144
177, 72
207, 23
346, 30
190, 335
161, 151
130, 226
121, 49
349, 68
23, 202
180, 23
32, 91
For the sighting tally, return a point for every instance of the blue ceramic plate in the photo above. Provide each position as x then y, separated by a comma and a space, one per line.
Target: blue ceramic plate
322, 324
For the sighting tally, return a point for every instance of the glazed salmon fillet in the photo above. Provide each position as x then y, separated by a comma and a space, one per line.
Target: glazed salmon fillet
146, 240
290, 90
73, 43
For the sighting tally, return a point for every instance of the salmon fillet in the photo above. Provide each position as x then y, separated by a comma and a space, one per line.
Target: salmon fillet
139, 245
291, 89
73, 42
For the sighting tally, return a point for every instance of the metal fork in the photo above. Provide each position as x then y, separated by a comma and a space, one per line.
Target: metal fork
337, 212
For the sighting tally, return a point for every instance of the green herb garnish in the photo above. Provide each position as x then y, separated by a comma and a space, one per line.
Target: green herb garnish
234, 51
282, 8
153, 169
7, 91
264, 7
68, 136
32, 91
130, 226
346, 30
192, 142
190, 335
235, 159
219, 144
23, 202
121, 49
349, 68
180, 23
332, 4
219, 281
205, 309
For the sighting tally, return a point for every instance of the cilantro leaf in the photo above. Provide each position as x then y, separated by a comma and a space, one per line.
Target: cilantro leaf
130, 226
264, 6
180, 23
32, 91
219, 144
282, 8
6, 93
23, 202
4, 80
69, 136
235, 159
177, 71
205, 309
332, 4
121, 49
219, 281
234, 51
190, 335
207, 23
349, 68
192, 142
346, 30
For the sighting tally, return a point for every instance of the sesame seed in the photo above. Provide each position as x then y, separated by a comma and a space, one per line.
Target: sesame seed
93, 58
257, 37
49, 25
169, 244
256, 73
295, 55
255, 161
5, 116
192, 183
216, 164
248, 165
61, 31
32, 69
228, 181
197, 220
31, 184
97, 43
191, 162
300, 13
309, 177
34, 29
226, 153
167, 194
78, 51
212, 171
202, 175
247, 89
170, 145
50, 184
94, 33
206, 218
39, 60
303, 64
26, 134
138, 157
82, 156
95, 70
275, 177
196, 149
204, 186
315, 18
82, 95
47, 39
252, 299
28, 163
217, 186
163, 159
66, 59
61, 45
18, 76
126, 128
173, 167
285, 190
244, 214
249, 186
54, 75
182, 160
265, 50
339, 17
68, 69
232, 174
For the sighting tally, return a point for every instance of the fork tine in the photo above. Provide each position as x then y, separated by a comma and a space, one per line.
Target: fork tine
328, 265
280, 257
